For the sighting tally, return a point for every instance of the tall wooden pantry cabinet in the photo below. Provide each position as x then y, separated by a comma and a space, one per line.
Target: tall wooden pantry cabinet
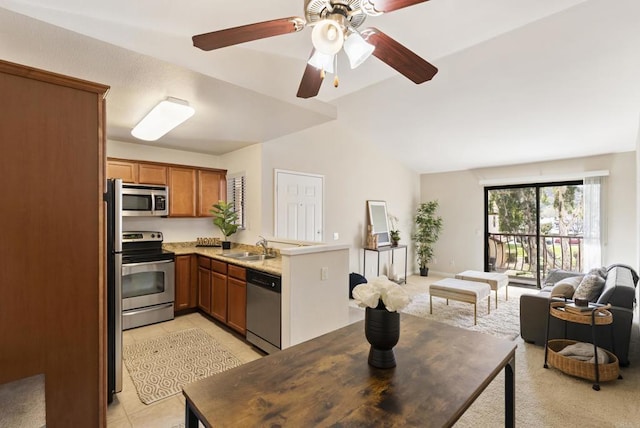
52, 272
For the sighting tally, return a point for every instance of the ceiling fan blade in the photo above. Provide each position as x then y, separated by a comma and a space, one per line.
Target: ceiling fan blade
385, 6
247, 33
311, 81
399, 57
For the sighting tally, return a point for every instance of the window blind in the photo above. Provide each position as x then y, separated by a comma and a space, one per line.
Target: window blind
236, 194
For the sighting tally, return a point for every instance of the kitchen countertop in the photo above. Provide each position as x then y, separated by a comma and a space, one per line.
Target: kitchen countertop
272, 266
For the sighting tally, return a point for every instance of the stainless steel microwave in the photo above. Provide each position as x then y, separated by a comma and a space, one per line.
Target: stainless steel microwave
144, 200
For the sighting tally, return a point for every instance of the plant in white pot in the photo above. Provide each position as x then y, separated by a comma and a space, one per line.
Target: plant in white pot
428, 227
226, 218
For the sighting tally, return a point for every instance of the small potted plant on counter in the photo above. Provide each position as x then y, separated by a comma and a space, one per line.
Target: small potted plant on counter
225, 217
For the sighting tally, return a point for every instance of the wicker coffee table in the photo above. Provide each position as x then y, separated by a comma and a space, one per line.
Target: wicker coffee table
461, 291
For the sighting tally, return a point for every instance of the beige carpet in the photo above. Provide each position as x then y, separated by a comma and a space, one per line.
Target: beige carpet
159, 367
498, 323
544, 397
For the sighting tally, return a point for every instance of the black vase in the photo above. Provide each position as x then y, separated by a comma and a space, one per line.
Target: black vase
226, 245
382, 330
424, 271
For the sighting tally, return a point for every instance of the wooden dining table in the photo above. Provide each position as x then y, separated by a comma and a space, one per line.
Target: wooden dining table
327, 381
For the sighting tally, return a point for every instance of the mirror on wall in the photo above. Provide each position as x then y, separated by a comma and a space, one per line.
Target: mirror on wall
378, 221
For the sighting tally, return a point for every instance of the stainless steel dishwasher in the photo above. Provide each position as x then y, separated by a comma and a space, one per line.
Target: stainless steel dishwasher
264, 310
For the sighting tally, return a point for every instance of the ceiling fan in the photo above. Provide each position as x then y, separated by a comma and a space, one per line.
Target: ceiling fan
336, 26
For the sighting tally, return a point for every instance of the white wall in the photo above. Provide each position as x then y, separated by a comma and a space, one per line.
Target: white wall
461, 200
120, 149
248, 160
354, 172
638, 196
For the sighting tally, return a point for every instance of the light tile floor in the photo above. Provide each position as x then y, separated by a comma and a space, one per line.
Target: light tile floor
127, 411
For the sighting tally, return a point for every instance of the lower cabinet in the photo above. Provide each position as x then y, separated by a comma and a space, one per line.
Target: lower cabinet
237, 299
186, 282
204, 284
219, 290
222, 292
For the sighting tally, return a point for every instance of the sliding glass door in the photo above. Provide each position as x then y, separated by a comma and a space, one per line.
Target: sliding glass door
533, 228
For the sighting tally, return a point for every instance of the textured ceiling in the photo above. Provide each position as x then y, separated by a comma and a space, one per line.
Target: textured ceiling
519, 80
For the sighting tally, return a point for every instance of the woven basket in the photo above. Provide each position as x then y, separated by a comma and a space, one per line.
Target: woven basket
603, 316
578, 368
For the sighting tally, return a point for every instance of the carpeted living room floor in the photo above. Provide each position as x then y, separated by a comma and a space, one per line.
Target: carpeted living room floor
544, 397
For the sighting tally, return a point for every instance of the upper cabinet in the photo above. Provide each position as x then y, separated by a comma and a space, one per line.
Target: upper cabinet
192, 190
182, 192
126, 170
152, 174
212, 187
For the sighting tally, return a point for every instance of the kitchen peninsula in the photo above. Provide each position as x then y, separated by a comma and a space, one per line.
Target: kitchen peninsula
314, 291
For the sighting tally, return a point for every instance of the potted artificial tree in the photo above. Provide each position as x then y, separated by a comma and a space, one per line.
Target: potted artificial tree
225, 217
428, 227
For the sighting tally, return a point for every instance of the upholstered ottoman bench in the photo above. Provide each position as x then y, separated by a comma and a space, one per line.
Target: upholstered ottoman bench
494, 279
461, 291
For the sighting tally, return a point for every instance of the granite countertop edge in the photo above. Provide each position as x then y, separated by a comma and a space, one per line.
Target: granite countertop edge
272, 266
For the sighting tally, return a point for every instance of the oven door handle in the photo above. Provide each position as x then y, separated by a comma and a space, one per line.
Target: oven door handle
125, 265
144, 310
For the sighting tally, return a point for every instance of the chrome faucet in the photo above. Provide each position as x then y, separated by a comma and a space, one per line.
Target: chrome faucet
264, 244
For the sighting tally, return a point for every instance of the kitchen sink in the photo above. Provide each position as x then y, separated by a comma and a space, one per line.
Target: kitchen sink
239, 255
256, 257
249, 257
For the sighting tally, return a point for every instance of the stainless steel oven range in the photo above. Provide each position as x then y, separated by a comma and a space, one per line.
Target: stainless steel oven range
148, 280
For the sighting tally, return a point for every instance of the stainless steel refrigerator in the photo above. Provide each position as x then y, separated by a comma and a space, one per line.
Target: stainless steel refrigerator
113, 198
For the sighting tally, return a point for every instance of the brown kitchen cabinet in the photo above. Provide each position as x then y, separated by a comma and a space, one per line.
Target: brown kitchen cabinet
222, 292
212, 187
204, 284
149, 173
126, 170
192, 190
182, 192
219, 290
237, 299
186, 282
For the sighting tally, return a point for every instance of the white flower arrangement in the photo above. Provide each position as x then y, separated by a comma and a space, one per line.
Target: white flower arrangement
381, 291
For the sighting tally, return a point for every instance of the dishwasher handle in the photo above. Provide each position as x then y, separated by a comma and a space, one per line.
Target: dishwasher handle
264, 280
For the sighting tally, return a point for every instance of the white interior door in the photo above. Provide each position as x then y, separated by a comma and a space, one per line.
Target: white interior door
299, 206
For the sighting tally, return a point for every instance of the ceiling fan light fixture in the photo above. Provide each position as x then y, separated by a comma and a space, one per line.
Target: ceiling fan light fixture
165, 116
357, 49
322, 61
328, 36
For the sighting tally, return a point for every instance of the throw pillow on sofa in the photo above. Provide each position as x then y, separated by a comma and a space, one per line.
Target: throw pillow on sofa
590, 288
601, 271
555, 275
566, 287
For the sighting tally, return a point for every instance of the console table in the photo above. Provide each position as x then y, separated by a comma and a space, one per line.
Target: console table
384, 250
326, 381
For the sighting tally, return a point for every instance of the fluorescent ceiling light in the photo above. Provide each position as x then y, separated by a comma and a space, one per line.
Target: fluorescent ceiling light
163, 118
322, 61
357, 49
